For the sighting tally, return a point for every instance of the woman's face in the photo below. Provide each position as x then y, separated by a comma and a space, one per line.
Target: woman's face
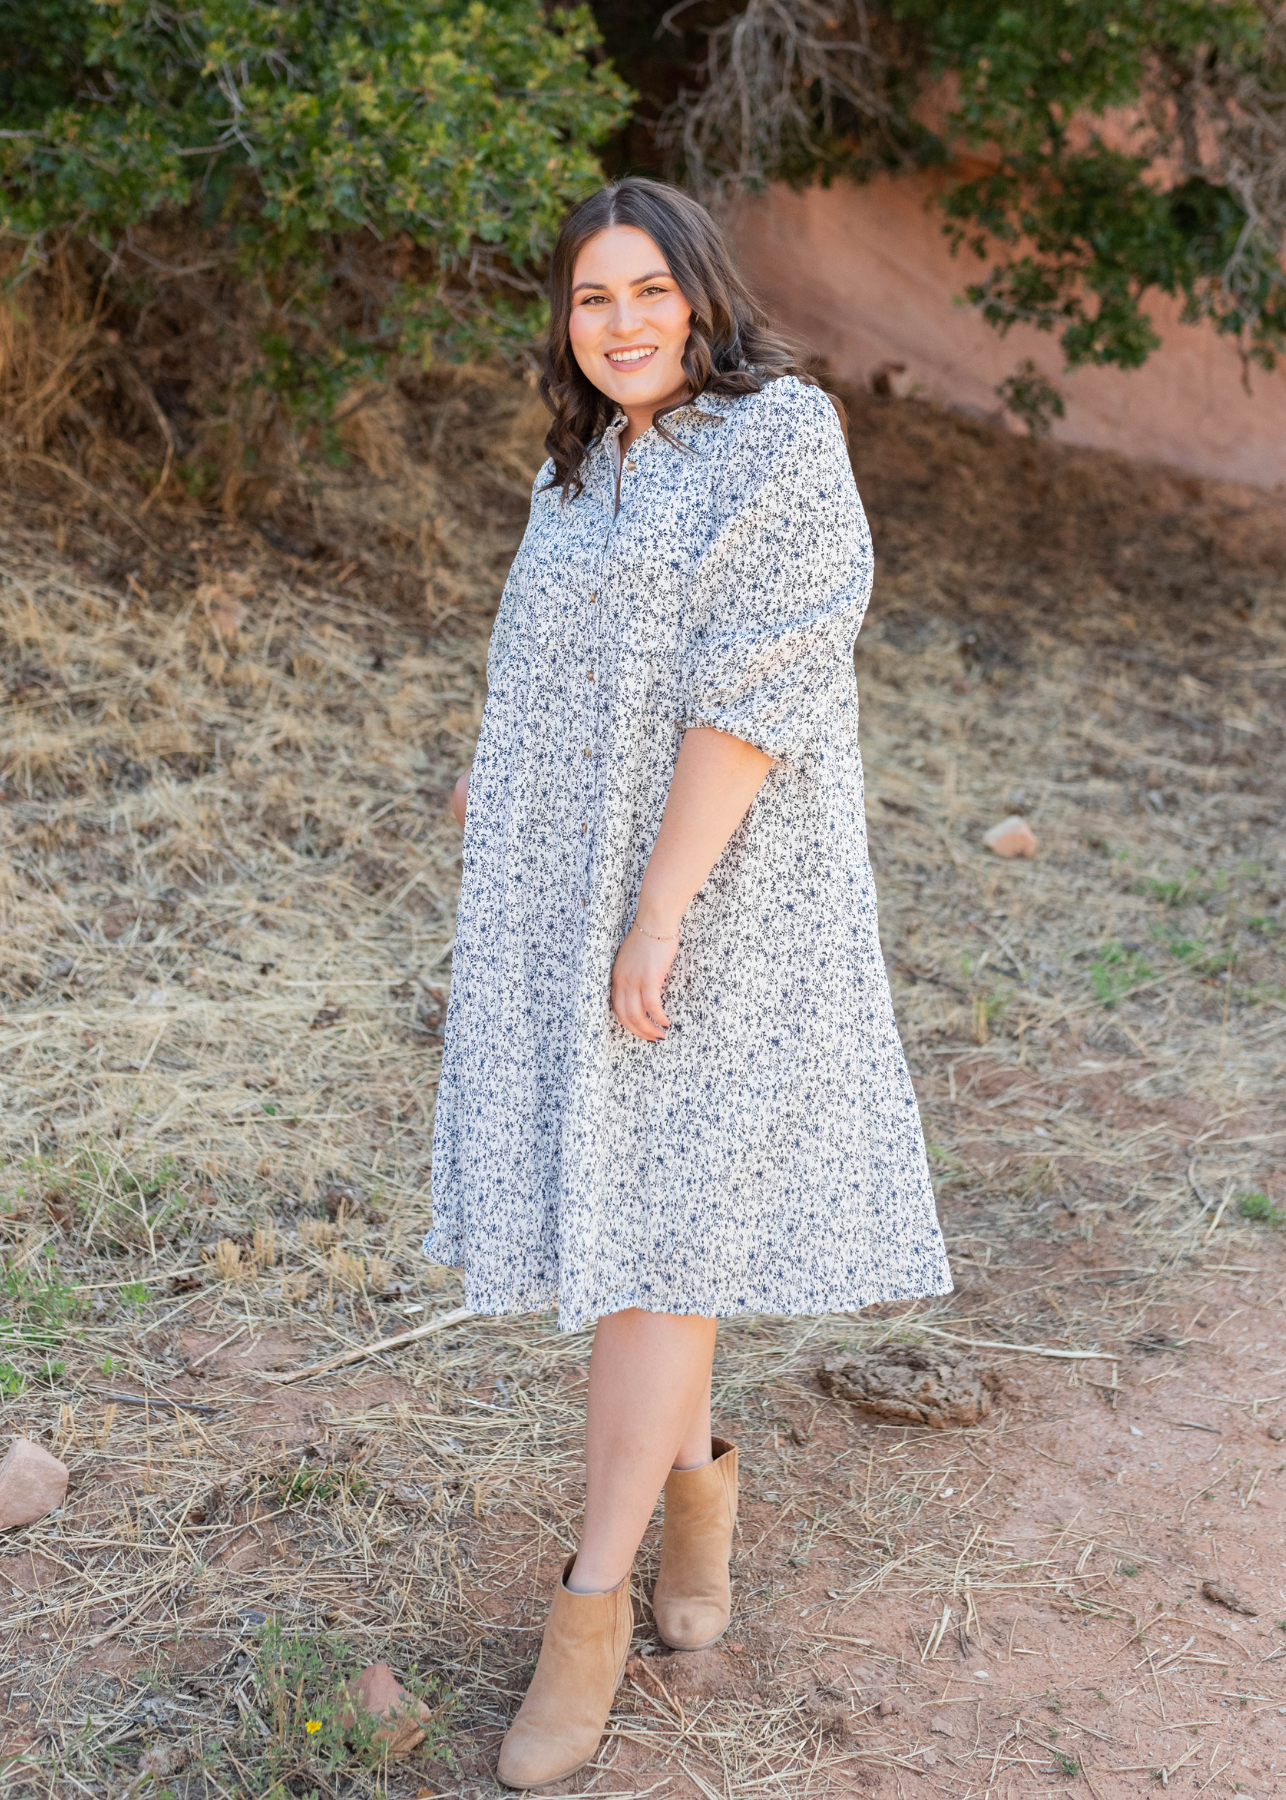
629, 321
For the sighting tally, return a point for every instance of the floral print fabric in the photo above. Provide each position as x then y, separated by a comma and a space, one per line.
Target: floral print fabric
767, 1156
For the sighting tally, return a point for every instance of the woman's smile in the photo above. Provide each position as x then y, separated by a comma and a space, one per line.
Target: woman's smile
622, 359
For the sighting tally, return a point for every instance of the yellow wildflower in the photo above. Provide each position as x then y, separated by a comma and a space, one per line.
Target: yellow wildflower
311, 1725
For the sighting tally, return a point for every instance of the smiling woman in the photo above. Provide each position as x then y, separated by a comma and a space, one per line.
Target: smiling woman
641, 268
628, 330
672, 1086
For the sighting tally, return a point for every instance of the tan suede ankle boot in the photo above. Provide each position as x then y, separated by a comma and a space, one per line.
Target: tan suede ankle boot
582, 1658
692, 1602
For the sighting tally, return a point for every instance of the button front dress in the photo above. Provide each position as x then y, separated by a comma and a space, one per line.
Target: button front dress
766, 1156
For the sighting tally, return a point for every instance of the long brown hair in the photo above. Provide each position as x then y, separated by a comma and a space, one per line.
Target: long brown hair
731, 348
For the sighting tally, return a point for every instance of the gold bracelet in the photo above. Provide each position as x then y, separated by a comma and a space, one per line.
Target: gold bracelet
673, 938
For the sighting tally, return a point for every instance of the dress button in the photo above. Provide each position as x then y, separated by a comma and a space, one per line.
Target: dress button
594, 595
583, 830
588, 751
631, 467
590, 676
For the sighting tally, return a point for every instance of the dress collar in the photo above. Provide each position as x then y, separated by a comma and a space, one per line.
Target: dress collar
705, 407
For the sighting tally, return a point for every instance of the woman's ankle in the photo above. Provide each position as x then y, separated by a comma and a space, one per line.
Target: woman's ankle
588, 1577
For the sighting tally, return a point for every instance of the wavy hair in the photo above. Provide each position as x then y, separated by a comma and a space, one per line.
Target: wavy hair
731, 347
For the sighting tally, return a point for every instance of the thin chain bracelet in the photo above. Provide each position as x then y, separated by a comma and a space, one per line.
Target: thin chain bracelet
673, 938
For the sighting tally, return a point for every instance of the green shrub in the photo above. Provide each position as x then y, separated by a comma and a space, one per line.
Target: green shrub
1260, 1210
303, 1686
415, 155
1115, 970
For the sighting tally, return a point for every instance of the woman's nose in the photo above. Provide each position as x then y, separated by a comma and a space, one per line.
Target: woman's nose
628, 318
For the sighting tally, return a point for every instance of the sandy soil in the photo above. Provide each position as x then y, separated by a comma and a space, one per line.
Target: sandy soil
228, 919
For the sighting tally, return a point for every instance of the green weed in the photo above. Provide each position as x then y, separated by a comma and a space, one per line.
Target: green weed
301, 1486
1260, 1209
1175, 891
136, 1294
1201, 958
127, 1209
12, 1381
951, 1167
304, 1686
1070, 1765
37, 1304
1115, 970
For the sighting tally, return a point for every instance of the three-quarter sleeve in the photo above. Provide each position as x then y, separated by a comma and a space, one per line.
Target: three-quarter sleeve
779, 591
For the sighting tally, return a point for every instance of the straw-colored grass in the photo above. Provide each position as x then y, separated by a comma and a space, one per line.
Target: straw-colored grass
229, 883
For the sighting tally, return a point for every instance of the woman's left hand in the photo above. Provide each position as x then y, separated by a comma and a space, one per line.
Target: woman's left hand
638, 975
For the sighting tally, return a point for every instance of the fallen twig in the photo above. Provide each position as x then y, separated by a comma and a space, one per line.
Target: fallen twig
457, 1317
1020, 1349
151, 1400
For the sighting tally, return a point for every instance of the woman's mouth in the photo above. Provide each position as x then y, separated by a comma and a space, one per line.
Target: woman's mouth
626, 359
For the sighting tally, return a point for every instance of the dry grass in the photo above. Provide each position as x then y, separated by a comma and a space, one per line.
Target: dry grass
228, 915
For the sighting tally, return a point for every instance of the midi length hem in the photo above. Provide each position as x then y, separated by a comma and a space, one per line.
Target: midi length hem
767, 1156
685, 1302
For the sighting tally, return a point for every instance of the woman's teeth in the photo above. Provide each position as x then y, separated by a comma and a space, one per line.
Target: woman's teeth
629, 356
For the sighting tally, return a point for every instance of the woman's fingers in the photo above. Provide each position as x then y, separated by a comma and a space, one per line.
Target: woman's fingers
460, 795
652, 1003
632, 1009
638, 976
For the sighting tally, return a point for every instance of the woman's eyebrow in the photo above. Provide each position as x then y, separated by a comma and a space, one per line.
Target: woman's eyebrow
637, 281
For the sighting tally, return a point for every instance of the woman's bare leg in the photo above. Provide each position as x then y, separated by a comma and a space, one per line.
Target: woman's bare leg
649, 1408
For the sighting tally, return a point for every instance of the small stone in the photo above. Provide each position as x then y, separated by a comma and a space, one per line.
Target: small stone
1224, 1596
1012, 837
32, 1483
227, 617
378, 1691
1276, 1433
885, 1709
893, 379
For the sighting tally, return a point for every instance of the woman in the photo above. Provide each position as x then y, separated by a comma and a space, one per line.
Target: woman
672, 1087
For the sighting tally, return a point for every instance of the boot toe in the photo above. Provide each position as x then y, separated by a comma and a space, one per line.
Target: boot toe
691, 1624
529, 1759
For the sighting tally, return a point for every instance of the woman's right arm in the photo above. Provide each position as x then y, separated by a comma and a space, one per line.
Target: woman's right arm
460, 797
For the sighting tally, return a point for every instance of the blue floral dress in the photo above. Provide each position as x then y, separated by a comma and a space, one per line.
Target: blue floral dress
766, 1156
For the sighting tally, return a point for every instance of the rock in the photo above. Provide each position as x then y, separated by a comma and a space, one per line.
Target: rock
912, 1385
885, 1709
1224, 1596
32, 1483
1012, 837
893, 379
1276, 1433
404, 1719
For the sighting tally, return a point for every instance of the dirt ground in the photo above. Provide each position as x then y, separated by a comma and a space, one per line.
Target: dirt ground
228, 890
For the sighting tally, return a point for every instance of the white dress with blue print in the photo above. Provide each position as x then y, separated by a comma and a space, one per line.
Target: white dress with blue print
767, 1156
